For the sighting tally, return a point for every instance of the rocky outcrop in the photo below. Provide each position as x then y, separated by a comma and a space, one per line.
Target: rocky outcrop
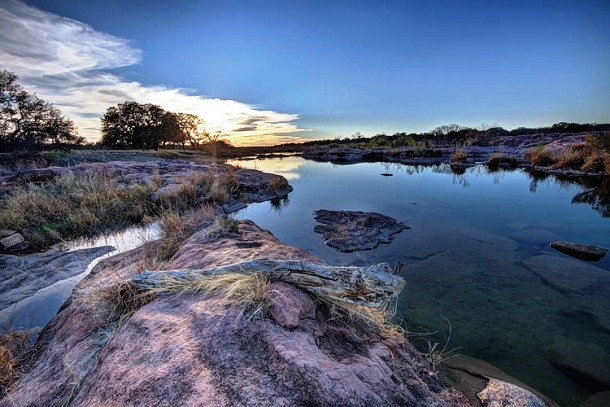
196, 349
499, 393
22, 276
348, 231
579, 250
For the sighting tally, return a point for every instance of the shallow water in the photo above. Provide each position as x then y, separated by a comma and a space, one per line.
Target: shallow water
466, 254
37, 310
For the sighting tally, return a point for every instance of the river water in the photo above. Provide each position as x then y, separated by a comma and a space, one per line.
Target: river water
468, 256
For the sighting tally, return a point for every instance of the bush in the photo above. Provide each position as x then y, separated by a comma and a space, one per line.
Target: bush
539, 156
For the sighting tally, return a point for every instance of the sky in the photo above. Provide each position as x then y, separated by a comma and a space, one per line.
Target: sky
268, 72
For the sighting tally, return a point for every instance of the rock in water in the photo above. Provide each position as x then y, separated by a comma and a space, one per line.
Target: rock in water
579, 250
348, 231
500, 394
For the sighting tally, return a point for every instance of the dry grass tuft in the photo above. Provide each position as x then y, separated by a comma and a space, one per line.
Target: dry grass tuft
539, 156
496, 159
175, 229
14, 348
458, 156
367, 320
278, 183
250, 291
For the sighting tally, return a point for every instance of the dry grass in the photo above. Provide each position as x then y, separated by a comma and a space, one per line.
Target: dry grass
496, 159
277, 183
366, 320
14, 347
571, 157
175, 229
539, 156
73, 205
458, 156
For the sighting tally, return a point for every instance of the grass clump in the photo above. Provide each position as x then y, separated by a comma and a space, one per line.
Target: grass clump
175, 229
458, 157
539, 156
73, 205
14, 348
495, 160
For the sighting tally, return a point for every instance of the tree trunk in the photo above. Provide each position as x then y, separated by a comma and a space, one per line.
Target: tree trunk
370, 286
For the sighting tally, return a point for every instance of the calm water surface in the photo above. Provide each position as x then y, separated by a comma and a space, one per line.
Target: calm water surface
472, 236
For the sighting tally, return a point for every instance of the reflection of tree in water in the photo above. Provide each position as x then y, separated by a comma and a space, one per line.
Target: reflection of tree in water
596, 191
279, 204
598, 196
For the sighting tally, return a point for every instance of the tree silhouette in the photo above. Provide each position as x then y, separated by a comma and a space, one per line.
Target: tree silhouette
26, 121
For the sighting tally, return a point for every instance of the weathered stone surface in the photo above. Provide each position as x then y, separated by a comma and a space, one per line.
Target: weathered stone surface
597, 400
586, 363
22, 276
584, 284
498, 393
289, 304
201, 350
579, 250
6, 233
355, 230
10, 242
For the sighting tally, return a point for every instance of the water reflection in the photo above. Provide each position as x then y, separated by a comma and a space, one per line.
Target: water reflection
598, 196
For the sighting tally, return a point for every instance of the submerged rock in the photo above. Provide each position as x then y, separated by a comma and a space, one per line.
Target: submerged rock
586, 285
586, 363
579, 250
195, 349
597, 400
347, 231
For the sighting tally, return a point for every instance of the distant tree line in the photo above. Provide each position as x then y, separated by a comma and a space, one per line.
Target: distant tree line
28, 122
455, 135
146, 126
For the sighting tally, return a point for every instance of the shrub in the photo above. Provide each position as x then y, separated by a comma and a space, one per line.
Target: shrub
495, 159
571, 157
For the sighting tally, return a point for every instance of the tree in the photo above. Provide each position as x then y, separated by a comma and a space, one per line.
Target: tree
192, 129
26, 121
139, 126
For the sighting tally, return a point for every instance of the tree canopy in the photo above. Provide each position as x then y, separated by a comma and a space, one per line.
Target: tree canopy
26, 121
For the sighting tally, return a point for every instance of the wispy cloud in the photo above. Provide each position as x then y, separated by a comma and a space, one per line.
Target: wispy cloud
66, 61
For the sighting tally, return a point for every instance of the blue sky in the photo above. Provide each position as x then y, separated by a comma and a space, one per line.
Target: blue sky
284, 70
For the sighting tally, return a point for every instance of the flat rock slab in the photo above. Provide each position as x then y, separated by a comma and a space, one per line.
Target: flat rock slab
348, 231
579, 250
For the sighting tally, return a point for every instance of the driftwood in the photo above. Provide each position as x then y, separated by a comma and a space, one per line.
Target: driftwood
370, 286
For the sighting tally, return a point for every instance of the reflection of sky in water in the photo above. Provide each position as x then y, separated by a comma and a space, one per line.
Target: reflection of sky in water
285, 166
464, 257
38, 309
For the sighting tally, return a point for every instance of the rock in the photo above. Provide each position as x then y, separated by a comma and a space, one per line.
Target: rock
6, 233
289, 304
23, 276
486, 385
355, 230
579, 250
11, 242
597, 400
499, 394
201, 350
586, 286
586, 363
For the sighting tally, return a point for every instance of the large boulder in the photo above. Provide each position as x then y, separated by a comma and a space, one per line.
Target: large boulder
195, 349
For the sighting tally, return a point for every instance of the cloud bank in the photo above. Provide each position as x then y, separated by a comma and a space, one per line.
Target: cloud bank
64, 61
